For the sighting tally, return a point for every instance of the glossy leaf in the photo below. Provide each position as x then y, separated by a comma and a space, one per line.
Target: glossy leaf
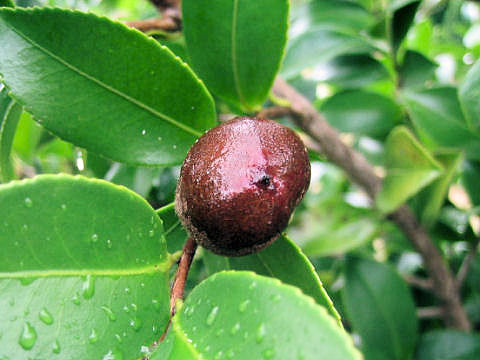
469, 94
432, 198
174, 231
319, 46
27, 138
448, 345
409, 169
354, 71
236, 46
257, 318
381, 308
282, 260
9, 115
130, 99
136, 178
83, 270
331, 13
361, 113
416, 69
402, 15
439, 121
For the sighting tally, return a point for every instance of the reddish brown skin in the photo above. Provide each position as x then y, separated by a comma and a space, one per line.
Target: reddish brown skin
240, 183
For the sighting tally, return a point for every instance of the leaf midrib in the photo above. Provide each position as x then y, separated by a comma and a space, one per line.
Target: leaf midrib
104, 85
161, 267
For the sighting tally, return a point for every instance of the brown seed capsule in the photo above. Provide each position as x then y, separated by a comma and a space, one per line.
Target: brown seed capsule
240, 183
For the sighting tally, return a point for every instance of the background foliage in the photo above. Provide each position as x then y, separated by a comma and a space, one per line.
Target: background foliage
86, 264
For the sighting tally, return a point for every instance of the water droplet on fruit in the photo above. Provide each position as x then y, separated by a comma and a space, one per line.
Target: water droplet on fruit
28, 202
211, 317
45, 316
28, 337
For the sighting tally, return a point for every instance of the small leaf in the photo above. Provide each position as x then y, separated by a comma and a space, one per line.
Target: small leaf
282, 260
470, 176
361, 113
402, 15
258, 318
409, 169
9, 115
469, 94
381, 308
130, 99
174, 230
83, 270
439, 121
7, 3
354, 71
448, 345
333, 14
236, 46
431, 199
416, 69
319, 46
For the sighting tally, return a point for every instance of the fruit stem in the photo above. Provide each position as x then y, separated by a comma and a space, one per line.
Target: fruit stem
178, 286
182, 272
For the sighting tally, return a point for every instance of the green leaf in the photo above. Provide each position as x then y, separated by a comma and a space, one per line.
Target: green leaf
401, 17
257, 318
409, 169
469, 94
332, 13
10, 113
7, 3
27, 138
439, 121
282, 260
361, 113
138, 179
354, 71
174, 231
130, 99
432, 198
448, 345
416, 69
336, 238
319, 46
470, 176
83, 270
381, 308
236, 46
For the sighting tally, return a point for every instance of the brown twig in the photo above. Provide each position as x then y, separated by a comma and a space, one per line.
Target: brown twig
467, 262
425, 284
166, 24
431, 312
361, 172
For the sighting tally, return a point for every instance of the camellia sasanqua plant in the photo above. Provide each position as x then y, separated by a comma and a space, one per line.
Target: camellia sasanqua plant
99, 110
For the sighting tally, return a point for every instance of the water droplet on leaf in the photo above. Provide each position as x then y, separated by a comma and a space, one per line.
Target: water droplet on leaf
211, 317
45, 316
28, 337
